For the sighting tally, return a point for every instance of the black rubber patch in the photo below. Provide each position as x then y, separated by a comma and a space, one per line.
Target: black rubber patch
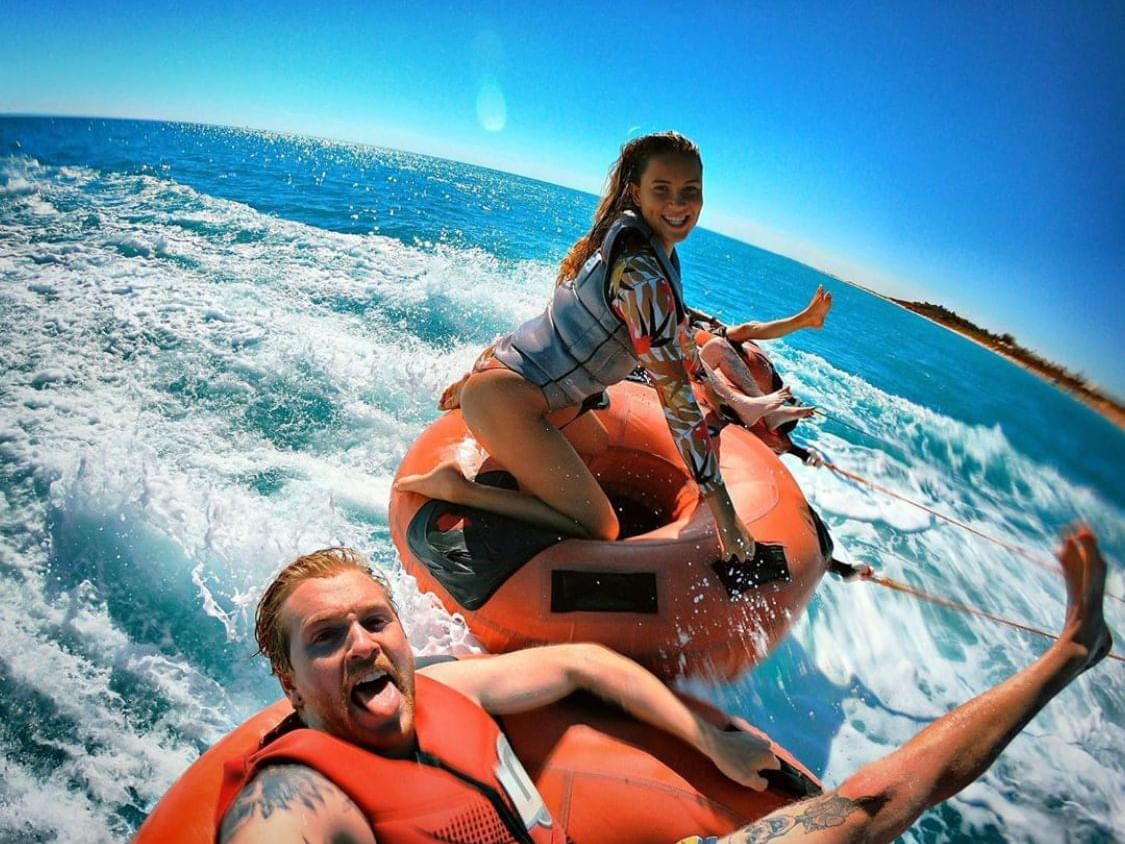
827, 546
769, 565
790, 780
592, 591
472, 553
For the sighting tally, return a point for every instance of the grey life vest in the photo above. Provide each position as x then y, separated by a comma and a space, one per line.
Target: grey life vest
579, 346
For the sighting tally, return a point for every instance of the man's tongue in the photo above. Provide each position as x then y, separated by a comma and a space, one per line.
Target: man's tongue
379, 697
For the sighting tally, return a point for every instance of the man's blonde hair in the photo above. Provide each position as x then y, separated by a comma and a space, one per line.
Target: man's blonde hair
273, 639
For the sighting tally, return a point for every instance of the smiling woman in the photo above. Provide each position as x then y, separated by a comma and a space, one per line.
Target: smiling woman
670, 197
618, 305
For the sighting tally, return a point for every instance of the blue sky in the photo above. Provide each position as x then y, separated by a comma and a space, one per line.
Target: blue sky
964, 155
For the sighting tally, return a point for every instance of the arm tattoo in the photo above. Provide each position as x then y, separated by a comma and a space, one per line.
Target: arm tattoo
278, 788
819, 813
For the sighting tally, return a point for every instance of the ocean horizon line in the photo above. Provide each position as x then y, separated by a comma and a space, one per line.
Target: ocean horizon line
1103, 391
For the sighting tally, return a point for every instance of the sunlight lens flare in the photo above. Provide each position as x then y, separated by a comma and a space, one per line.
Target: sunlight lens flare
492, 111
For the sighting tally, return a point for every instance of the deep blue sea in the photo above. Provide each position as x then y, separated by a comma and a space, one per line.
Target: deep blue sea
218, 343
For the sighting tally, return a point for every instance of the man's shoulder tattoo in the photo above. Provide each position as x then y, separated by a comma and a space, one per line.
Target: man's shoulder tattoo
277, 788
818, 813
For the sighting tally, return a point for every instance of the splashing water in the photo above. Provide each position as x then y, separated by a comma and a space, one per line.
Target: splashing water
218, 345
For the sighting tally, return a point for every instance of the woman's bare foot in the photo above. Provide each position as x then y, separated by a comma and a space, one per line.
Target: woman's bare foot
1084, 570
752, 408
818, 308
451, 395
788, 414
444, 482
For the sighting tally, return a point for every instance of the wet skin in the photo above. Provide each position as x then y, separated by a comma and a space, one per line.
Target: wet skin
352, 671
670, 197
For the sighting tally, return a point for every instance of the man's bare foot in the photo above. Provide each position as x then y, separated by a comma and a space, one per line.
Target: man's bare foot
788, 414
1084, 570
444, 482
818, 308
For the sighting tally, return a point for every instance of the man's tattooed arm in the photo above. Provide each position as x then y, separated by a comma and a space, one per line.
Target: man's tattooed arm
293, 803
816, 815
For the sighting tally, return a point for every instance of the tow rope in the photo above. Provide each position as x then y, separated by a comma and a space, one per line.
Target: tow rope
821, 412
1039, 561
867, 573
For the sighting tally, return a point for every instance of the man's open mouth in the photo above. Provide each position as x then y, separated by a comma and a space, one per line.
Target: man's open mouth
372, 687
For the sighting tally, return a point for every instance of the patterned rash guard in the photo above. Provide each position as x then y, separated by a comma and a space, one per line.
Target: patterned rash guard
641, 295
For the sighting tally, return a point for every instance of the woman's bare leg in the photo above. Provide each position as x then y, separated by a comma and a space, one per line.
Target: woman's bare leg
507, 415
720, 356
584, 431
744, 395
771, 407
883, 799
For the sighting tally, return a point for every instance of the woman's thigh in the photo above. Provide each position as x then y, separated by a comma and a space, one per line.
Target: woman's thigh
506, 413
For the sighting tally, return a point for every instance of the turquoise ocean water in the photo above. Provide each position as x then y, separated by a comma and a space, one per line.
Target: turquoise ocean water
217, 345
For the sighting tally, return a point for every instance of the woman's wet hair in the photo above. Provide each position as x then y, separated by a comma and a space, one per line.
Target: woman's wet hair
625, 171
269, 630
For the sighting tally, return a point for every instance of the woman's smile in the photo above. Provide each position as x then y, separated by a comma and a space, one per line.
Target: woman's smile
670, 196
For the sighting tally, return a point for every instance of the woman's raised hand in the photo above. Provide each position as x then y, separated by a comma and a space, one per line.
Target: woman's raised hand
735, 540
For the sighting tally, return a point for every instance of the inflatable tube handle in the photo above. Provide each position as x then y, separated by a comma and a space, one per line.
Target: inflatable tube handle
789, 779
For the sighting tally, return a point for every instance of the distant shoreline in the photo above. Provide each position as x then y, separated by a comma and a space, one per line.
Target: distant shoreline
1006, 345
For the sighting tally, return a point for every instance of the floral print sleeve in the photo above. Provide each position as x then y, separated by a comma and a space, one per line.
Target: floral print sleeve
641, 295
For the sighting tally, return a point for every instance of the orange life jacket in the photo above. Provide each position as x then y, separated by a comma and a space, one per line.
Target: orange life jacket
462, 784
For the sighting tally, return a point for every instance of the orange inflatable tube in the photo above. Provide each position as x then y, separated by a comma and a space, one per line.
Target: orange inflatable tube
605, 776
660, 594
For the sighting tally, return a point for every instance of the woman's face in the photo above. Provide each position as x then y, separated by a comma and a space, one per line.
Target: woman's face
670, 196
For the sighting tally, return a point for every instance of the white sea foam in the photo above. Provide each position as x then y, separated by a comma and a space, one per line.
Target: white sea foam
137, 471
861, 631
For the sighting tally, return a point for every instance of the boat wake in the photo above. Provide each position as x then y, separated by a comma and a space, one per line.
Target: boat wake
194, 391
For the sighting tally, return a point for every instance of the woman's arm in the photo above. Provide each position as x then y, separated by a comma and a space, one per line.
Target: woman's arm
644, 300
529, 679
811, 317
